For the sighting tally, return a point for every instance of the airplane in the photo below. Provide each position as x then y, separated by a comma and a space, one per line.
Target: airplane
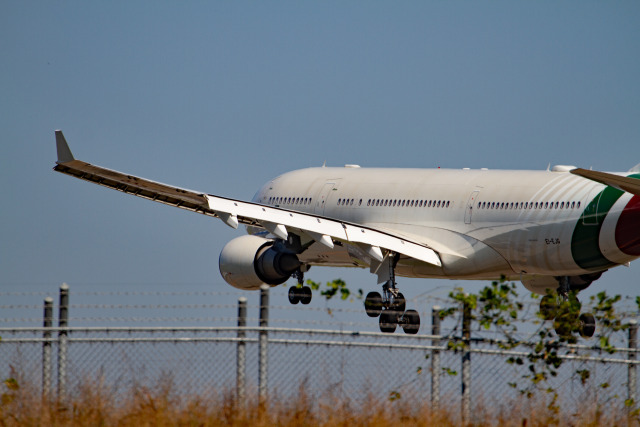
554, 230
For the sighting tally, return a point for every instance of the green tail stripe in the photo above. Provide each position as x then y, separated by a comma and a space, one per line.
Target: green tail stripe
585, 242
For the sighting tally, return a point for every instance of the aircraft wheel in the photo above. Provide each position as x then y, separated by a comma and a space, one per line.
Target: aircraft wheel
388, 321
294, 295
411, 323
548, 307
305, 295
563, 325
399, 303
587, 325
373, 304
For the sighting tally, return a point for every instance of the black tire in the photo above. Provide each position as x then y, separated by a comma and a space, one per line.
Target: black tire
548, 307
587, 325
388, 321
411, 323
305, 295
399, 303
373, 304
563, 325
294, 295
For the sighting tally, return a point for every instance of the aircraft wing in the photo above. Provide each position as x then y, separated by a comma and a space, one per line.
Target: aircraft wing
624, 183
277, 221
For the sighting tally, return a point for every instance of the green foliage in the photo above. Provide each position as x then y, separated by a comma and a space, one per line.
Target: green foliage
449, 371
496, 307
335, 287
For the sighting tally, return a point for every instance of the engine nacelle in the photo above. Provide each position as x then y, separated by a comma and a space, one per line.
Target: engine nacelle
249, 261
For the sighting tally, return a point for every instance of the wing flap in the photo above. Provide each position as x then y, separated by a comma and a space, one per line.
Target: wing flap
624, 183
233, 212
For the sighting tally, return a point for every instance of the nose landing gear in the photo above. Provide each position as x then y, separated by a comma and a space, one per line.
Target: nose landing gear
299, 293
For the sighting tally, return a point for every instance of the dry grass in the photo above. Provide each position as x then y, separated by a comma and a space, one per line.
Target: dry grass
94, 404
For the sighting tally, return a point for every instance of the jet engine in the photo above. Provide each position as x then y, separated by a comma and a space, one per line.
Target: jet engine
249, 261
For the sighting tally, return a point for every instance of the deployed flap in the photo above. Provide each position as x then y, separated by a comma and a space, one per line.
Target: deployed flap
630, 185
277, 220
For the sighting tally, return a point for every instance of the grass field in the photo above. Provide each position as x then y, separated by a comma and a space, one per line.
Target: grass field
162, 405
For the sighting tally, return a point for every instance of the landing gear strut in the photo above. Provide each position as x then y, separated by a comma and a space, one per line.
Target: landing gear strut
564, 310
299, 293
390, 306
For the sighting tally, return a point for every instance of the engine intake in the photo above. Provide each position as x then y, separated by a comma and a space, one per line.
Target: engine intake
249, 261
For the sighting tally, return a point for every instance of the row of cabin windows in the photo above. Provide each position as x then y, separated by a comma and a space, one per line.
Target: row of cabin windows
529, 205
409, 203
371, 202
348, 202
290, 200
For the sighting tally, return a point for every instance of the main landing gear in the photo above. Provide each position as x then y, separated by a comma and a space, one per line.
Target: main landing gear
564, 310
390, 308
299, 293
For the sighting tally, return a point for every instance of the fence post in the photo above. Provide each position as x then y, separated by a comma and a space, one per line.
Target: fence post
262, 343
46, 347
632, 373
435, 358
242, 349
63, 322
466, 363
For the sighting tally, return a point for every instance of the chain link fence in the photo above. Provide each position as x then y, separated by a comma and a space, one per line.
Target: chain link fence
276, 363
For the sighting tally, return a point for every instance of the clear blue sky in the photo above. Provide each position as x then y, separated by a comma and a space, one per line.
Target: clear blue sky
222, 96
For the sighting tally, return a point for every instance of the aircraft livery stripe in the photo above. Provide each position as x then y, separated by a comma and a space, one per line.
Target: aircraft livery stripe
585, 247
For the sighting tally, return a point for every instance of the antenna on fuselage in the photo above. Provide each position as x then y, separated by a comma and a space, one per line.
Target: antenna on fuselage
324, 164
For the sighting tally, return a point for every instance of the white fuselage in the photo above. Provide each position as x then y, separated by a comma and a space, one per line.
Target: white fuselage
483, 223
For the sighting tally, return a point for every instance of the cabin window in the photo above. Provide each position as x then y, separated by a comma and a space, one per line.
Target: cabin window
447, 203
573, 205
360, 202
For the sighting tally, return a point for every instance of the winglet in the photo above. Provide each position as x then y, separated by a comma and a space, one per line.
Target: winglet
64, 153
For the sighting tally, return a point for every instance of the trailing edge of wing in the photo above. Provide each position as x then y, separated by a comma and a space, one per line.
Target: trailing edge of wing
630, 185
233, 212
